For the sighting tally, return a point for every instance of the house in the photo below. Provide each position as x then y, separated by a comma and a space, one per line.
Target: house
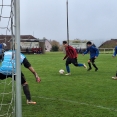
78, 44
5, 39
48, 45
27, 41
109, 44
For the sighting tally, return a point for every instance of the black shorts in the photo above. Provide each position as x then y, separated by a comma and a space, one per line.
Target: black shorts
72, 60
92, 60
2, 77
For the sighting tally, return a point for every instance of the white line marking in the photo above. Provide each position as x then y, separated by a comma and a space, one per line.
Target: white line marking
80, 103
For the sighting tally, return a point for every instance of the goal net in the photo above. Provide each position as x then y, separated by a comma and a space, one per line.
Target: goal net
7, 87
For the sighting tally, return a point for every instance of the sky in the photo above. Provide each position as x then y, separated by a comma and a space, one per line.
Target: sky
94, 20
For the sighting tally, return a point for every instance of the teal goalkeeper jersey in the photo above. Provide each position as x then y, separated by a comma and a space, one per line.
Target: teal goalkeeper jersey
8, 66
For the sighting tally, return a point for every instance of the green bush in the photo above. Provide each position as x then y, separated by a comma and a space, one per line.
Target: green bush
55, 48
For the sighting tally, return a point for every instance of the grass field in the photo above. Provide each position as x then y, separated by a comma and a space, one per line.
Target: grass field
83, 94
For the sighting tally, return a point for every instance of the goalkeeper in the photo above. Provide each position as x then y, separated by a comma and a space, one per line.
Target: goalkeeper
6, 70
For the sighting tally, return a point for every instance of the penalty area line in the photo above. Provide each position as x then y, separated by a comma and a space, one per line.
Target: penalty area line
76, 102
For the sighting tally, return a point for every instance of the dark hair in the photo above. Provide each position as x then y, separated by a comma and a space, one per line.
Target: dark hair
89, 43
64, 42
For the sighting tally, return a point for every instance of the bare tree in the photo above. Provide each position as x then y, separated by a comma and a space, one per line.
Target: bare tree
54, 42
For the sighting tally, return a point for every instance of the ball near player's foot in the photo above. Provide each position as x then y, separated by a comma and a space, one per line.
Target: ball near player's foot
61, 71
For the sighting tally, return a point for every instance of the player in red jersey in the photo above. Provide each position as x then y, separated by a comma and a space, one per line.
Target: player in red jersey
71, 56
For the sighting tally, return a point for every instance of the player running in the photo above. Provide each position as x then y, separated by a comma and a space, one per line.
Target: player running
94, 52
71, 56
114, 55
6, 70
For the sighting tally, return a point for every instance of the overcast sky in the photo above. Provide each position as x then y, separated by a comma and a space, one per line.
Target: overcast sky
88, 19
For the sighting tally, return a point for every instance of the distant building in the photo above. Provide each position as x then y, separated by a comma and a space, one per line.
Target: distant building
78, 44
109, 44
27, 41
48, 45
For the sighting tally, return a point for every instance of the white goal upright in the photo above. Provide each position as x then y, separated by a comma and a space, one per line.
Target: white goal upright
10, 94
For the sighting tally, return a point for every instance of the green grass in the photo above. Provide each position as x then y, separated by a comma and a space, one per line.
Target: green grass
83, 94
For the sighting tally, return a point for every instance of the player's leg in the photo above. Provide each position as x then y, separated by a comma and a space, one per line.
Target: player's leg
26, 89
2, 76
82, 65
115, 77
68, 61
89, 63
94, 65
75, 63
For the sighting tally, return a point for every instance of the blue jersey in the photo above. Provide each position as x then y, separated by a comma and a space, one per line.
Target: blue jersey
115, 52
8, 66
1, 52
94, 52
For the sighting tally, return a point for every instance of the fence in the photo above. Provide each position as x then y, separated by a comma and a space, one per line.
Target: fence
106, 50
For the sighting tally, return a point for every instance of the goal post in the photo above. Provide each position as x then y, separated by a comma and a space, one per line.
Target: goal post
17, 55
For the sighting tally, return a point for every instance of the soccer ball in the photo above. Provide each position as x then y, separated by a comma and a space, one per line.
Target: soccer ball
61, 71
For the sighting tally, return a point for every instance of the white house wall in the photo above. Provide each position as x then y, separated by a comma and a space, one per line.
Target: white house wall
48, 46
29, 44
79, 45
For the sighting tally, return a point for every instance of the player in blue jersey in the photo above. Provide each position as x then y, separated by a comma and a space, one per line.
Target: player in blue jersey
6, 70
115, 52
94, 52
114, 55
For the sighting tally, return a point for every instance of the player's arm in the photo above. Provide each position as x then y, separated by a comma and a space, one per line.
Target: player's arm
87, 50
35, 74
28, 65
97, 52
65, 57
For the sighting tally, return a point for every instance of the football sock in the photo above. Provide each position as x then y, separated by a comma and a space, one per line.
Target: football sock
80, 65
116, 73
27, 92
94, 66
68, 69
89, 65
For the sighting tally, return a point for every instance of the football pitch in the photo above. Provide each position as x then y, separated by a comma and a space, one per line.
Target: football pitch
83, 94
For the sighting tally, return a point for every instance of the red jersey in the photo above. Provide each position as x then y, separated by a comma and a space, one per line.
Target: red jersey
70, 52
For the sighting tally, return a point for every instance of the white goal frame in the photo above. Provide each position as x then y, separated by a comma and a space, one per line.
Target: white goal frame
18, 65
